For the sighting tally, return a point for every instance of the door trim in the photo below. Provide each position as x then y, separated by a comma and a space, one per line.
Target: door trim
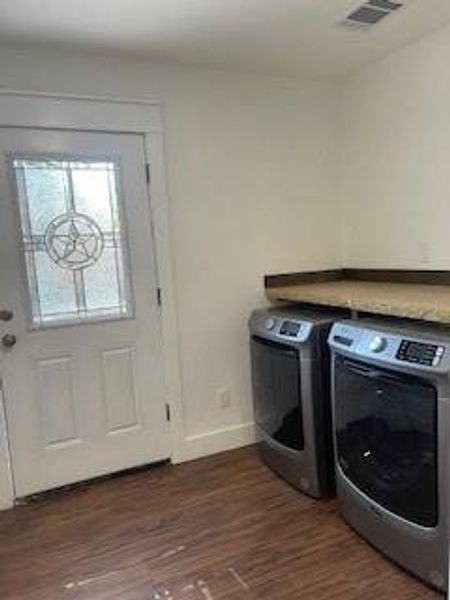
98, 114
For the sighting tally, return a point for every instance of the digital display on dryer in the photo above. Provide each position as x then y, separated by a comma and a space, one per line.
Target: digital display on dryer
290, 328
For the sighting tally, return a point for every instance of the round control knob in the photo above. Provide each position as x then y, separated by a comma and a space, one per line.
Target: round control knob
378, 344
9, 340
269, 324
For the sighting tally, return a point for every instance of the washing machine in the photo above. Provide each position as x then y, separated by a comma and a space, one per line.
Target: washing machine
290, 376
391, 429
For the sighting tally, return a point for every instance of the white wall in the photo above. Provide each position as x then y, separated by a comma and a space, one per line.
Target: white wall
396, 159
251, 175
253, 166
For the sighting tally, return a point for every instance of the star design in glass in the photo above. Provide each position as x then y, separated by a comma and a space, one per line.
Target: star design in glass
74, 241
75, 245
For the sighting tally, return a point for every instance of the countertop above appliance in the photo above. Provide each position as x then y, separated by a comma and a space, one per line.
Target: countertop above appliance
423, 295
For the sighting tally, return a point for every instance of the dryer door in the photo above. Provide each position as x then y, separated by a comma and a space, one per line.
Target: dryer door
386, 437
277, 391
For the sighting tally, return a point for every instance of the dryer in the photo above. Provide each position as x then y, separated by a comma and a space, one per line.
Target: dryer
290, 376
391, 428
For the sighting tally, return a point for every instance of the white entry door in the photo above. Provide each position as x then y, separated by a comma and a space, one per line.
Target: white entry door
80, 340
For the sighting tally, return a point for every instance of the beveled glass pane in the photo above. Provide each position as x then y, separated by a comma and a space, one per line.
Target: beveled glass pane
56, 290
93, 195
101, 282
73, 240
37, 181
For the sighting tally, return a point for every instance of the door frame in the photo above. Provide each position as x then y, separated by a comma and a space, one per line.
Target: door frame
111, 115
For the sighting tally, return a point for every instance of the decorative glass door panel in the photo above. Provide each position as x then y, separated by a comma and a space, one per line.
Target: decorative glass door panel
73, 239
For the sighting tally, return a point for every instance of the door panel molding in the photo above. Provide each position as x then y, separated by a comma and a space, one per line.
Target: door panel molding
114, 115
118, 383
58, 419
6, 477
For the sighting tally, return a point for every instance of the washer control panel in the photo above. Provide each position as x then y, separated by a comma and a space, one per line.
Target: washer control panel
419, 353
281, 326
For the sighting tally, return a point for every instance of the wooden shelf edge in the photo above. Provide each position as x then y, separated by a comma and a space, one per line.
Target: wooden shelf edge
418, 277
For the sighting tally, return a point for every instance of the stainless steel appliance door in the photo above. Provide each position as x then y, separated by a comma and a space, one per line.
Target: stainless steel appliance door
277, 391
386, 437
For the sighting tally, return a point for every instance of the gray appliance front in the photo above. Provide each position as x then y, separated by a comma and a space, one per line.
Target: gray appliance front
283, 379
401, 508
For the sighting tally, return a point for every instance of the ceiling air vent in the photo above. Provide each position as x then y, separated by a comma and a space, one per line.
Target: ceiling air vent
385, 4
371, 13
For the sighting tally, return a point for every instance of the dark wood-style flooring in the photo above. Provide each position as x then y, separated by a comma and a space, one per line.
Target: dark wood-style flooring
219, 528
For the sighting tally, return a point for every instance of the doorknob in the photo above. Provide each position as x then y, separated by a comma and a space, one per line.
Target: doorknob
9, 340
6, 315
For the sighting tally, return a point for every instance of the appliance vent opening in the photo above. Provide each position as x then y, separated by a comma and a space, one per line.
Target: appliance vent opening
370, 13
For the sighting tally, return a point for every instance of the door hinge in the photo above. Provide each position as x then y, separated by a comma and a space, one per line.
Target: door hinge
168, 412
147, 172
159, 296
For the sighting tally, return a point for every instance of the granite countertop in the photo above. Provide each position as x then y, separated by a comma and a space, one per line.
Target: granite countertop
414, 301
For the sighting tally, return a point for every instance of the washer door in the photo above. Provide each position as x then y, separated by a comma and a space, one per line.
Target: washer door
276, 391
386, 437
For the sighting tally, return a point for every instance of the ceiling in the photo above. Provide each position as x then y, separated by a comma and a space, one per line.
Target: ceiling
275, 37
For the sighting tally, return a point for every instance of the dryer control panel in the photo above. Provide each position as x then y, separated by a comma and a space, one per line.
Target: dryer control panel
405, 345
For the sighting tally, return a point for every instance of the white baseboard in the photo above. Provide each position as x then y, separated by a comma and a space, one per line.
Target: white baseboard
6, 504
219, 440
